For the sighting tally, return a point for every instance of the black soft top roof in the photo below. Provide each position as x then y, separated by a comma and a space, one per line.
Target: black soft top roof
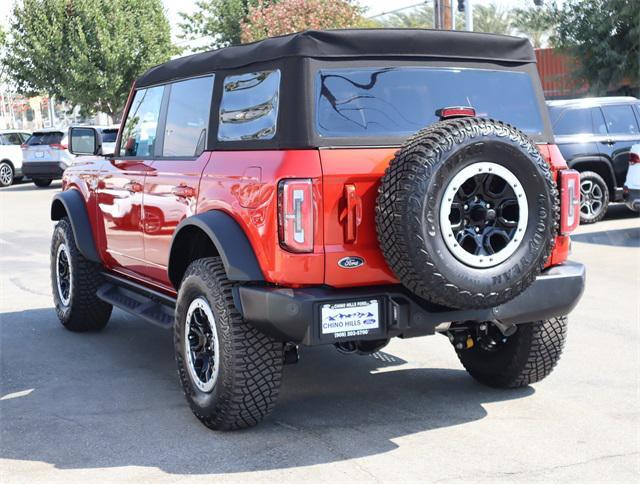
353, 43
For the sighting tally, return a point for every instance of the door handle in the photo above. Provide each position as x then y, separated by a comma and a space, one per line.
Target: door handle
352, 216
184, 191
607, 141
133, 187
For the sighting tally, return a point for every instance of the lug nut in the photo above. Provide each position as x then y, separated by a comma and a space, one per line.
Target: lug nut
483, 327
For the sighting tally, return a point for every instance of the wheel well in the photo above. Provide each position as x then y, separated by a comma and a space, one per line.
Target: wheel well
191, 243
602, 169
58, 211
6, 160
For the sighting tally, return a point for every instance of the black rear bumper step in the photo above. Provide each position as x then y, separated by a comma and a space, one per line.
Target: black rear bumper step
294, 314
152, 306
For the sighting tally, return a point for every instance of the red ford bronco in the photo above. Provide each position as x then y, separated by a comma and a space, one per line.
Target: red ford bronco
339, 187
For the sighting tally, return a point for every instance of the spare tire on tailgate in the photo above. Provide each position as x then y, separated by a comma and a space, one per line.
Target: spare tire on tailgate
467, 213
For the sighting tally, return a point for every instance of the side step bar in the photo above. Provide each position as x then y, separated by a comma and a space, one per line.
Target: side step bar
152, 306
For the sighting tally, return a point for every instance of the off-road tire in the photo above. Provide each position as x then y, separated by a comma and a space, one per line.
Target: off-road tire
42, 182
7, 174
408, 220
598, 180
526, 357
250, 370
85, 311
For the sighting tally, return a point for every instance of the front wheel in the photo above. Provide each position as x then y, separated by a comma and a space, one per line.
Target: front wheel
75, 281
6, 174
230, 372
525, 357
42, 182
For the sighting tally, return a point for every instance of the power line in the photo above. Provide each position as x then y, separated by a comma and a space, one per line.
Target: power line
400, 9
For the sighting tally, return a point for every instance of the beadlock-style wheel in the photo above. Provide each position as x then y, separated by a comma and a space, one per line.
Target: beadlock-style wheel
483, 214
63, 274
201, 345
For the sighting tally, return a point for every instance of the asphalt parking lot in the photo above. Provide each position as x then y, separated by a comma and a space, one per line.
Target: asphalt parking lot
108, 407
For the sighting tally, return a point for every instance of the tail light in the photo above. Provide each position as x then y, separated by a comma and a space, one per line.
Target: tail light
58, 146
455, 112
569, 201
24, 146
634, 158
295, 215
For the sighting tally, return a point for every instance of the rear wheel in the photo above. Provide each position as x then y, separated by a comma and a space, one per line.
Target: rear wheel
230, 372
42, 182
594, 197
525, 357
75, 281
6, 174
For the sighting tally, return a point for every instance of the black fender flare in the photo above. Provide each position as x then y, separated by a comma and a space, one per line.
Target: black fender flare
230, 241
70, 203
601, 160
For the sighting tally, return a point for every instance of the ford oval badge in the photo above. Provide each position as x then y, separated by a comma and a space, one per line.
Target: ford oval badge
351, 262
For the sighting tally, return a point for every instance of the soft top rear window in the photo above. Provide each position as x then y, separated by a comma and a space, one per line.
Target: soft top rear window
399, 101
48, 138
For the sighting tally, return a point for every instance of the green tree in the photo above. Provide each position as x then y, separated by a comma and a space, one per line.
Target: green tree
287, 16
85, 52
217, 20
536, 23
492, 19
419, 17
604, 36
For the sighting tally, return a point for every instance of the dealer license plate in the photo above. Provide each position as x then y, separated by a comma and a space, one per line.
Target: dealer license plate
355, 318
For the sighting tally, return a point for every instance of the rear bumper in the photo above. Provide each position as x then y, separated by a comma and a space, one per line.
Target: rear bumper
294, 314
49, 170
632, 198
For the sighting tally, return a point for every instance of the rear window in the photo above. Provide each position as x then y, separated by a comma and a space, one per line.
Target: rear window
389, 102
109, 135
49, 138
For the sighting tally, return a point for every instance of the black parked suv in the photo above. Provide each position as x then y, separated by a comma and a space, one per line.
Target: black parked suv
594, 136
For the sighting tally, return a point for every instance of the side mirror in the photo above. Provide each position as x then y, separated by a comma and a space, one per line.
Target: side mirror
84, 141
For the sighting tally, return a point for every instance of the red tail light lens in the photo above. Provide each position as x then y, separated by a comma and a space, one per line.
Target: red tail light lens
24, 146
634, 158
569, 201
296, 215
455, 112
58, 146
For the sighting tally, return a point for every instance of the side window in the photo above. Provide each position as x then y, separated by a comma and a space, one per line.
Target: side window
139, 135
249, 106
188, 117
574, 121
599, 124
11, 139
620, 119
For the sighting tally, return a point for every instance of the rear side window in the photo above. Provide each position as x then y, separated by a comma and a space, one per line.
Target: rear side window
49, 138
188, 117
388, 102
574, 121
10, 139
139, 134
620, 119
249, 107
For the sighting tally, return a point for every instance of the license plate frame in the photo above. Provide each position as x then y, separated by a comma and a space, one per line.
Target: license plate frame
351, 320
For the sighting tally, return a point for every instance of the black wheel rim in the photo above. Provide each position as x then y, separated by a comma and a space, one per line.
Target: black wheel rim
63, 274
483, 214
201, 345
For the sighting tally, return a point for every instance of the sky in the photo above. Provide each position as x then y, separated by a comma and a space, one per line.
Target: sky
373, 7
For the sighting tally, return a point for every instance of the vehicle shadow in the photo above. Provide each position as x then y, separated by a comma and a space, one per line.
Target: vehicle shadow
112, 399
619, 211
618, 238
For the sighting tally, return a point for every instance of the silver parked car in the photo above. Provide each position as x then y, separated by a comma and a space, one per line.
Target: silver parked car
45, 156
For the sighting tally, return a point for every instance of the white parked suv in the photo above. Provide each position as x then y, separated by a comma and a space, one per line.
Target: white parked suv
45, 156
631, 191
11, 155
